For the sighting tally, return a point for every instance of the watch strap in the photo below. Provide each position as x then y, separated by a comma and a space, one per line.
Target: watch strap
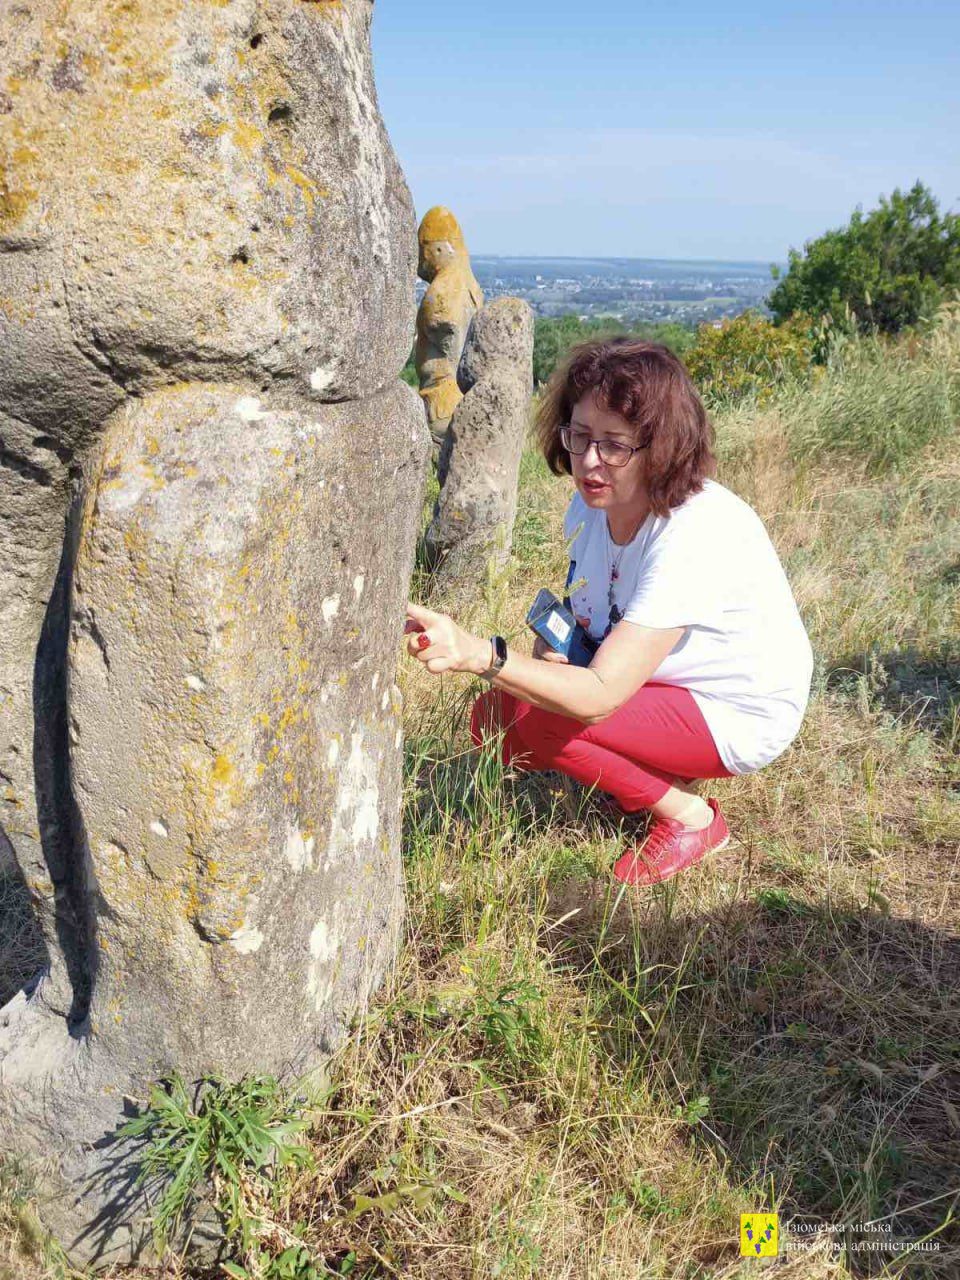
498, 656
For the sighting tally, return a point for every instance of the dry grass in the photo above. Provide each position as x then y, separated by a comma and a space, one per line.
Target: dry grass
565, 1079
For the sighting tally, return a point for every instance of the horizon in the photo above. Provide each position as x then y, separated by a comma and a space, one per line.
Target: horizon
620, 257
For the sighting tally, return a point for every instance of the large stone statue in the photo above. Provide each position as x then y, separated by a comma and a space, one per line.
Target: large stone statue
206, 535
479, 464
444, 316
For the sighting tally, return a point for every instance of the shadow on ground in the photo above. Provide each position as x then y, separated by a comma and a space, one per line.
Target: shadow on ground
826, 1038
826, 1041
923, 687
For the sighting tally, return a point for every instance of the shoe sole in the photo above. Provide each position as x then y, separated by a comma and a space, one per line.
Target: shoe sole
716, 848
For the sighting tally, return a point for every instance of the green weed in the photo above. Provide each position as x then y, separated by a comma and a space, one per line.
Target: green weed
232, 1139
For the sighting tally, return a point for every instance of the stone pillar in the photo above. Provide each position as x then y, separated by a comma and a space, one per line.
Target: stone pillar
479, 463
210, 481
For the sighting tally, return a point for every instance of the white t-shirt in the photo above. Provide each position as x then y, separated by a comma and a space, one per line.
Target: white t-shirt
711, 568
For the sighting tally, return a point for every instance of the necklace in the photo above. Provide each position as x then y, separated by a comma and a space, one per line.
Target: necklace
614, 565
614, 574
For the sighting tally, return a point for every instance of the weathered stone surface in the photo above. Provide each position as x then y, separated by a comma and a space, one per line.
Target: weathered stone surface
501, 342
234, 732
234, 723
479, 462
188, 190
444, 316
205, 187
206, 268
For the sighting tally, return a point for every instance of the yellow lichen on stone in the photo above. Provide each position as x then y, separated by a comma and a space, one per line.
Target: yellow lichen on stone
246, 137
453, 295
144, 83
308, 188
441, 398
222, 770
14, 203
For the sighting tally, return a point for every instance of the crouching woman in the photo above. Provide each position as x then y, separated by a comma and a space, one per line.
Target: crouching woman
703, 667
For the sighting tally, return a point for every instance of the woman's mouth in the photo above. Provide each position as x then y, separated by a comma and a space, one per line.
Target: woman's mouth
594, 486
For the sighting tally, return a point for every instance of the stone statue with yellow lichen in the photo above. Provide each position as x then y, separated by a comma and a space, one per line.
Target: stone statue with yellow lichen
200, 742
443, 320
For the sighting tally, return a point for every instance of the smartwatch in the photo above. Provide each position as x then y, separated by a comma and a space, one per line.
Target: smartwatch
498, 656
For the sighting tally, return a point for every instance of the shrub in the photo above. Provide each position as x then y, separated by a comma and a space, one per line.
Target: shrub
409, 371
748, 357
889, 268
233, 1137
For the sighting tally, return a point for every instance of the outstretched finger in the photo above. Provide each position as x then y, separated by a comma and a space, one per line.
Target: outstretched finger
422, 615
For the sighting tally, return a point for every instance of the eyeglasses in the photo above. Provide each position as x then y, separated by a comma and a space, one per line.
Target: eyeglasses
612, 452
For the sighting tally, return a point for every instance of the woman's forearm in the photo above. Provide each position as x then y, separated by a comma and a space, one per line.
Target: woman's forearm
553, 686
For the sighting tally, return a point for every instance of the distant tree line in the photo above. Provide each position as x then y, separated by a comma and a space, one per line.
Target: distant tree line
553, 336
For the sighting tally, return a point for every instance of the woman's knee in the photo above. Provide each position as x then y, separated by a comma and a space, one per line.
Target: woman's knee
549, 737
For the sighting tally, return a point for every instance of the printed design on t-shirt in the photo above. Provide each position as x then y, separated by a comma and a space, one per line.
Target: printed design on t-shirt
571, 574
616, 613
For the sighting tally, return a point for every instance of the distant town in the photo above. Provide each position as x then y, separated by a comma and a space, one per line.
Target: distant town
628, 289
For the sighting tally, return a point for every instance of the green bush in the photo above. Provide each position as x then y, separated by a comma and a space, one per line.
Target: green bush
409, 371
748, 357
888, 269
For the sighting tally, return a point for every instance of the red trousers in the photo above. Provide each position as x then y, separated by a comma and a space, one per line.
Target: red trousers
657, 737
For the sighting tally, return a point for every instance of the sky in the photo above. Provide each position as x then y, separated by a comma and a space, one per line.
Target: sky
702, 130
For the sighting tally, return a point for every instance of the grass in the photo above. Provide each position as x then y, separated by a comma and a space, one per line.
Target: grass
565, 1079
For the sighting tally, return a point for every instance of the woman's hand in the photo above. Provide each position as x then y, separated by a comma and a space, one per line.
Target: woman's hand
436, 641
542, 650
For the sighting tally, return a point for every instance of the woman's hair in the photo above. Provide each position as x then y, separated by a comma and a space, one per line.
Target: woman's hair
650, 389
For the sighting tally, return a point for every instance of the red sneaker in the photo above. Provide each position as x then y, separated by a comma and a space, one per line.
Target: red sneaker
670, 847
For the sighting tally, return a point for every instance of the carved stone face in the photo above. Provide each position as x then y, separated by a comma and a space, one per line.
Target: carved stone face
434, 256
